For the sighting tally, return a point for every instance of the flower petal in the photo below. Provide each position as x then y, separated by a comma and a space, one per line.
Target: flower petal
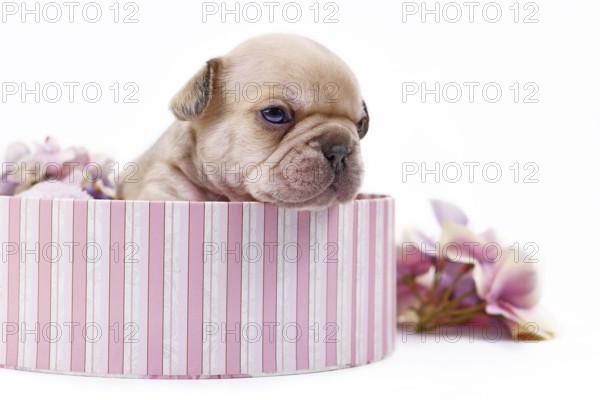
15, 151
459, 244
411, 257
514, 283
482, 276
49, 146
444, 210
490, 236
464, 285
525, 324
58, 190
7, 188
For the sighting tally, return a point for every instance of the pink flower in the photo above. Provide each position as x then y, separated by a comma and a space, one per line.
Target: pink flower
459, 244
408, 297
473, 277
510, 288
14, 153
447, 211
413, 255
51, 190
49, 164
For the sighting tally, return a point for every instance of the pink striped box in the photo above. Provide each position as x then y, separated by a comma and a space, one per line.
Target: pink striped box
194, 290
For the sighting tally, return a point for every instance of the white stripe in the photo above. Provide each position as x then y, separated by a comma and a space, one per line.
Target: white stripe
320, 327
89, 310
341, 270
206, 311
128, 293
312, 335
180, 287
362, 267
29, 298
102, 288
280, 309
54, 271
291, 333
22, 279
365, 292
256, 256
136, 333
64, 220
167, 285
346, 250
219, 341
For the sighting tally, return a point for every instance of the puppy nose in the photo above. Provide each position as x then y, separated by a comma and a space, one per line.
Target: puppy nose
336, 155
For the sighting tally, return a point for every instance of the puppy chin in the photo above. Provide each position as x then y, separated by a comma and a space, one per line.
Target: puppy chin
330, 196
310, 194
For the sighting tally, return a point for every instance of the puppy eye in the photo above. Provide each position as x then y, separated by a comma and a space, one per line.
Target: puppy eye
275, 115
361, 127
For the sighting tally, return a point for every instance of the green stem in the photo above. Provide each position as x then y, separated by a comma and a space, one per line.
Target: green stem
440, 308
459, 299
439, 317
464, 318
454, 284
467, 310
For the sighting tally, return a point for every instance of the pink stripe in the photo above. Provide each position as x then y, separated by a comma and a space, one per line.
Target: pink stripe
44, 280
79, 284
385, 282
117, 286
171, 240
155, 288
371, 285
332, 239
234, 287
270, 290
195, 289
391, 248
4, 226
14, 236
302, 290
354, 277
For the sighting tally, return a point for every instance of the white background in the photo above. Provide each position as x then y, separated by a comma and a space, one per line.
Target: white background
560, 134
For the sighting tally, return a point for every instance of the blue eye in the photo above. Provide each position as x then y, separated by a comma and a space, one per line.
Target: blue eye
275, 115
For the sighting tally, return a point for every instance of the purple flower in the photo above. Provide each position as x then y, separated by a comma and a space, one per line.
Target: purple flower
474, 278
14, 153
459, 244
49, 164
447, 211
414, 254
462, 284
510, 289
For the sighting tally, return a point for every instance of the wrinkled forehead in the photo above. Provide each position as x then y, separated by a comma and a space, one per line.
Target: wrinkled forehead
308, 79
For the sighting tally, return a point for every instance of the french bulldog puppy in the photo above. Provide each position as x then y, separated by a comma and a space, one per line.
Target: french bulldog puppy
279, 119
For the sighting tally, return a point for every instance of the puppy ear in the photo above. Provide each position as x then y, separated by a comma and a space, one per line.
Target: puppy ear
193, 98
366, 121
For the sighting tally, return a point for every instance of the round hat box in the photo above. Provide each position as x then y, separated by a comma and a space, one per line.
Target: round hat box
160, 289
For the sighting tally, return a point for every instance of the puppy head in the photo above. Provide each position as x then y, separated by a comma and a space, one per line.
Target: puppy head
279, 120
